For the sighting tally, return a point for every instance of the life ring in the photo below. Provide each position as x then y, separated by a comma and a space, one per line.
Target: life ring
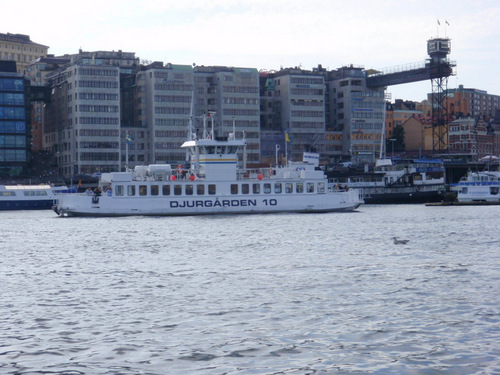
180, 169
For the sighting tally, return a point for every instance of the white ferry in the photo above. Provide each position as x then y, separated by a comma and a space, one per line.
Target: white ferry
213, 184
29, 197
479, 187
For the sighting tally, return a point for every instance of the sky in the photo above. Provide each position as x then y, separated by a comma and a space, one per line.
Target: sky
274, 34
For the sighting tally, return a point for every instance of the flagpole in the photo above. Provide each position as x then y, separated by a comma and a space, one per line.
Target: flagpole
126, 153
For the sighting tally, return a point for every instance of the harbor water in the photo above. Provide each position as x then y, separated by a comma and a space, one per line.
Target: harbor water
256, 294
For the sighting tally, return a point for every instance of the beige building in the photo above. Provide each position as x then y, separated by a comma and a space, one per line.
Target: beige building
19, 48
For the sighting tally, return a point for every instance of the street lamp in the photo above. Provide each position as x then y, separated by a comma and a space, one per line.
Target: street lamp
392, 140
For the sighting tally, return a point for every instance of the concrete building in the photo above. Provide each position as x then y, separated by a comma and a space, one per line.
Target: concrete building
233, 94
357, 112
300, 96
20, 48
166, 93
82, 119
15, 122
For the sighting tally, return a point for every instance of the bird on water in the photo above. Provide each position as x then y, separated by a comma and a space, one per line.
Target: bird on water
399, 242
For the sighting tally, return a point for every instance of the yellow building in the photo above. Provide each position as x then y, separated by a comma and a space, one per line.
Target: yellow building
418, 134
19, 48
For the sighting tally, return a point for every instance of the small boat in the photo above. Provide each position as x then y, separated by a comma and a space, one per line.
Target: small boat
398, 181
479, 187
212, 183
29, 197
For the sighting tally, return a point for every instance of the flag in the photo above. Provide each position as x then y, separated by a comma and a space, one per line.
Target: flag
447, 23
129, 139
287, 137
439, 23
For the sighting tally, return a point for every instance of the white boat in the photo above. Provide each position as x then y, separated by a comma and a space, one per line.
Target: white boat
213, 184
398, 181
29, 197
479, 187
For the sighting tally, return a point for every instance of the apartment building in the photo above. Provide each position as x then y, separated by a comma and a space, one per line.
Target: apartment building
471, 102
20, 48
472, 135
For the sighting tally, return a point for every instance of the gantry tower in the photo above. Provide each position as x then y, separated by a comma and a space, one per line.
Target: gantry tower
437, 68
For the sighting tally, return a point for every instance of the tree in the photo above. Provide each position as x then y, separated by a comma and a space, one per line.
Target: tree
399, 136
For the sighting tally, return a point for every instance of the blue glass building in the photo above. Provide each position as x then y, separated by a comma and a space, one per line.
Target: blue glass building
15, 132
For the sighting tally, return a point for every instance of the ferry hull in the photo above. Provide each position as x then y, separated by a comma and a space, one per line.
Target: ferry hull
14, 205
404, 197
80, 205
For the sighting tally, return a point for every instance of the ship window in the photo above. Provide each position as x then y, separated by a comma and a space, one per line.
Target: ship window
211, 189
277, 188
200, 189
154, 190
267, 188
119, 190
321, 187
256, 188
494, 190
177, 189
234, 188
465, 190
189, 189
299, 187
166, 189
143, 190
34, 193
288, 188
9, 194
310, 187
245, 188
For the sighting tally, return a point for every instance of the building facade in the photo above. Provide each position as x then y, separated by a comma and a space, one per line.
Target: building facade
471, 102
15, 122
20, 48
232, 96
358, 112
474, 136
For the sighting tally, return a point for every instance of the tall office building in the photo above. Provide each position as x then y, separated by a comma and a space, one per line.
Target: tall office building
301, 96
358, 112
233, 95
82, 119
15, 127
165, 94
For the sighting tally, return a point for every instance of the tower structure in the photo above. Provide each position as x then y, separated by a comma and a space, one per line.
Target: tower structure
440, 68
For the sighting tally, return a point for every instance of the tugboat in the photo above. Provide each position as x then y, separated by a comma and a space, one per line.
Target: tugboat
211, 184
399, 180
